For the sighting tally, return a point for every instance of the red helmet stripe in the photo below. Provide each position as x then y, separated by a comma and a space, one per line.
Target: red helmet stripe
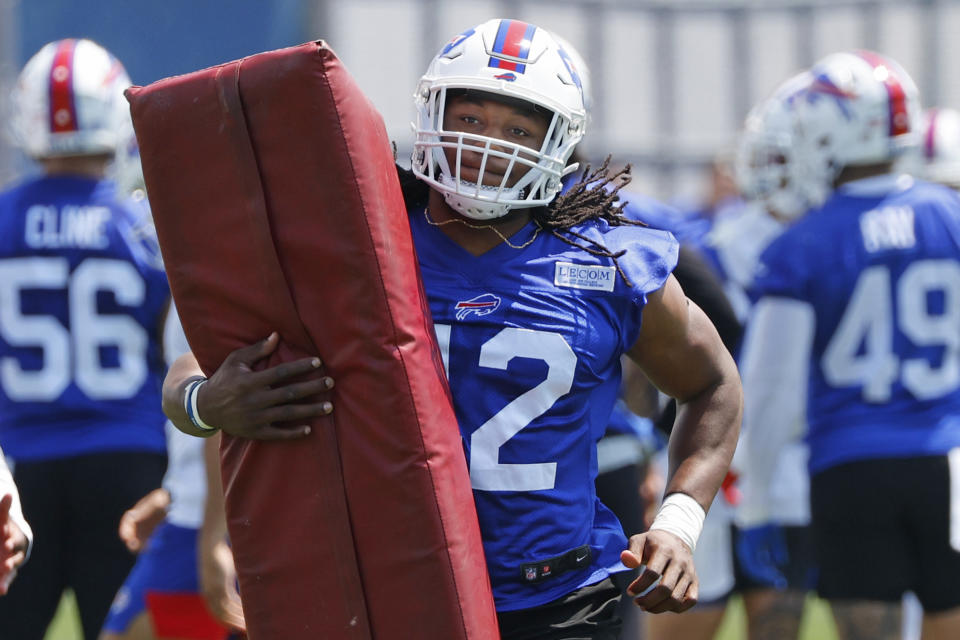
63, 110
513, 40
899, 118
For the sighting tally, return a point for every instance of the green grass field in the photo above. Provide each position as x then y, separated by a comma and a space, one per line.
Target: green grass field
66, 624
817, 623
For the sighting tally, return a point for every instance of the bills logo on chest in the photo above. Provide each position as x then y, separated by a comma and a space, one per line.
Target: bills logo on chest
482, 305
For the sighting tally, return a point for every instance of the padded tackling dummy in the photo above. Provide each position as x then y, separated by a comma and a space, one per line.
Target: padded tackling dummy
277, 205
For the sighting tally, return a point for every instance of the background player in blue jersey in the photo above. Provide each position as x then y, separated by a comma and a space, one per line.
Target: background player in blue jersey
535, 297
82, 301
858, 326
774, 542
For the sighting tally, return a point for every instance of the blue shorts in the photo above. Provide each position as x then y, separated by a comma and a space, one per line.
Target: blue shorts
167, 565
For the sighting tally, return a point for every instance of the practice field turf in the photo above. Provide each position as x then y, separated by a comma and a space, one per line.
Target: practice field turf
66, 624
817, 624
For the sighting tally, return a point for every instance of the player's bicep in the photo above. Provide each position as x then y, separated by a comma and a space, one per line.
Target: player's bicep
678, 347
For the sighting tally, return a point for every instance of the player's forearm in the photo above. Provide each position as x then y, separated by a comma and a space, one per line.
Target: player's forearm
704, 438
183, 370
214, 528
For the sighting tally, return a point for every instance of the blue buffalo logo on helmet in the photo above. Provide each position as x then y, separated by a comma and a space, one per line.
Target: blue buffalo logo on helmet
571, 67
482, 305
824, 86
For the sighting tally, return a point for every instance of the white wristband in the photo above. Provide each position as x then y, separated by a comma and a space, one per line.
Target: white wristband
682, 516
190, 404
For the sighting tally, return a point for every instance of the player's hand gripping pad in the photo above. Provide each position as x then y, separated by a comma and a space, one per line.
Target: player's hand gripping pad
277, 205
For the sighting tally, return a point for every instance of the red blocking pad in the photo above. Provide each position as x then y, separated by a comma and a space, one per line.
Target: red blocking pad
277, 205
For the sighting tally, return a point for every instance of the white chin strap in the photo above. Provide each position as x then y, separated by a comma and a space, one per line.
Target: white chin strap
478, 202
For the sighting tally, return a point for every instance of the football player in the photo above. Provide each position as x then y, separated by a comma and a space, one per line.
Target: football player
774, 555
82, 302
535, 297
856, 327
940, 145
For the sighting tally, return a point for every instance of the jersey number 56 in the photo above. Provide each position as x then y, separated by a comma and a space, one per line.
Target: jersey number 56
72, 354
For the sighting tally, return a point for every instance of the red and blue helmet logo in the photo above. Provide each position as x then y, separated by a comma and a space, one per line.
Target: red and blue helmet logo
508, 76
823, 87
513, 43
455, 40
571, 68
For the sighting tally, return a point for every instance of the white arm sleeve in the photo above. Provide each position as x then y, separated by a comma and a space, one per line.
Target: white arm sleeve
774, 367
16, 511
174, 340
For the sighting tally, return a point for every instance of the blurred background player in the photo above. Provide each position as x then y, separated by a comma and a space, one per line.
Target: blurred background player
774, 546
940, 146
82, 301
856, 325
184, 582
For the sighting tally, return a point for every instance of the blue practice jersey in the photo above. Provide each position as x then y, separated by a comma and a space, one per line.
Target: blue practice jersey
881, 272
82, 294
532, 340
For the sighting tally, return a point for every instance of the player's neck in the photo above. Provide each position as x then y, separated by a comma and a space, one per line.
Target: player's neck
859, 172
474, 236
82, 166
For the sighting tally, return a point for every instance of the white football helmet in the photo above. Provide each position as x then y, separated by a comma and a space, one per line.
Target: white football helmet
770, 166
941, 146
512, 59
69, 101
860, 109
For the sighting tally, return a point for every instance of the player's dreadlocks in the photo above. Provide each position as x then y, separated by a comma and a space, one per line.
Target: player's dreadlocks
594, 197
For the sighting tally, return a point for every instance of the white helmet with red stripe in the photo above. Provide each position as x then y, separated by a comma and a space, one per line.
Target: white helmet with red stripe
860, 109
941, 146
69, 101
513, 60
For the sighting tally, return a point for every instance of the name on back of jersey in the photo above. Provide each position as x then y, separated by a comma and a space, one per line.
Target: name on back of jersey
888, 228
68, 227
